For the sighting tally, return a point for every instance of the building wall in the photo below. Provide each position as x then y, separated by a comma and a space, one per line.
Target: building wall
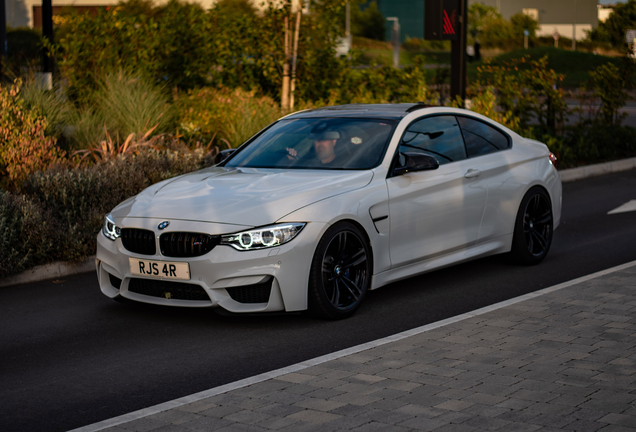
604, 13
410, 14
553, 14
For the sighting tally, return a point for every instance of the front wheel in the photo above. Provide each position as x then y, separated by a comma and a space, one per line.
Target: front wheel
340, 272
533, 228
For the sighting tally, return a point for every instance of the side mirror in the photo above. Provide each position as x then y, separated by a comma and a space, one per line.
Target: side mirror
222, 155
416, 162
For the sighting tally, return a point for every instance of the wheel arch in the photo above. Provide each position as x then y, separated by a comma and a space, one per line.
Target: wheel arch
364, 232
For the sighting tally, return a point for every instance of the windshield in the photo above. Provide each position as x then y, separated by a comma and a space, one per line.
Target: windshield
318, 143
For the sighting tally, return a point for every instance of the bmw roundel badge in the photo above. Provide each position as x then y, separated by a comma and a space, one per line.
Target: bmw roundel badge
163, 225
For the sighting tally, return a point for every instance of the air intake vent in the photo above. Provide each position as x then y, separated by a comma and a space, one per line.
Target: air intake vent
258, 293
139, 241
114, 281
168, 289
184, 244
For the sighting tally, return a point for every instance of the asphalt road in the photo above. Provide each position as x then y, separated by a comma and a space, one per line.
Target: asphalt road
70, 357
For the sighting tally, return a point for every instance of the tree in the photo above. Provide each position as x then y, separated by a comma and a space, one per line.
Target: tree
368, 23
487, 25
613, 29
235, 8
521, 22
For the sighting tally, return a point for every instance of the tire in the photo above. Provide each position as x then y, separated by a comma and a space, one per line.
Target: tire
532, 235
340, 273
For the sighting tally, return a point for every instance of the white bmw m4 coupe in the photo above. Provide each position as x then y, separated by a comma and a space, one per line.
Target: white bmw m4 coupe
324, 205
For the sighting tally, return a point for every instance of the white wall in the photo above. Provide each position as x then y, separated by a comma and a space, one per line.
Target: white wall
564, 30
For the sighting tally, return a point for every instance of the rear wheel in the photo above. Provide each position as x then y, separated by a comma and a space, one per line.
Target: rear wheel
340, 272
533, 228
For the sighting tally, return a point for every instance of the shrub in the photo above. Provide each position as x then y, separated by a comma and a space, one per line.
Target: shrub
381, 85
227, 116
24, 148
368, 23
27, 235
529, 91
180, 44
53, 105
609, 83
78, 199
132, 105
613, 29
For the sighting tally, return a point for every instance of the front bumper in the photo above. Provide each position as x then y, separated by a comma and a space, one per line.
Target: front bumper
286, 267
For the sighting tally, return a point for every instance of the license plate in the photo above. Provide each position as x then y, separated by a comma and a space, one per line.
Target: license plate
160, 269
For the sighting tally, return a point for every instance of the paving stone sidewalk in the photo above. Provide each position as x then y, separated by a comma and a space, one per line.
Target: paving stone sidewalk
561, 361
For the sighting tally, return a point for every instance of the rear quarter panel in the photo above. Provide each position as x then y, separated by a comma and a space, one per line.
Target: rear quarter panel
511, 174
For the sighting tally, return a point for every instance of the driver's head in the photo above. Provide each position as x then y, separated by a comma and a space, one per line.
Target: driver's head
324, 144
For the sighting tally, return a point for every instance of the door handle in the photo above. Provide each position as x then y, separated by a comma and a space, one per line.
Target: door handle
472, 173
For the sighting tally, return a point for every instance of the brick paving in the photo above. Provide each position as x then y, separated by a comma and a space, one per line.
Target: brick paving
564, 361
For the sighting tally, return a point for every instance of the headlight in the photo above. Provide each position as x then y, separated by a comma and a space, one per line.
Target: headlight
109, 229
271, 236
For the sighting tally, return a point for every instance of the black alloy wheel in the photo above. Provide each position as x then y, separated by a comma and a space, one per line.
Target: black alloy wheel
533, 228
340, 272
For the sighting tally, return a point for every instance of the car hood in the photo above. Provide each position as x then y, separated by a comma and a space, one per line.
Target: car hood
239, 196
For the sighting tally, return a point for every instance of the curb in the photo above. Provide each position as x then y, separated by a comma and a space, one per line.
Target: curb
175, 403
50, 271
61, 269
573, 174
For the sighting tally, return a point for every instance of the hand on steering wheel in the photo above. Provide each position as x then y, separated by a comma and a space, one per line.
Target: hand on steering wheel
291, 153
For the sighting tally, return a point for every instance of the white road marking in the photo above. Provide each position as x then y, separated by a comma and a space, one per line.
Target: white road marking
135, 415
627, 207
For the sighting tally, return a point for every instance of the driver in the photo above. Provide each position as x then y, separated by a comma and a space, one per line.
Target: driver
324, 147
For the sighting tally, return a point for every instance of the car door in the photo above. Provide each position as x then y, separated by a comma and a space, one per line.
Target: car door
485, 145
438, 211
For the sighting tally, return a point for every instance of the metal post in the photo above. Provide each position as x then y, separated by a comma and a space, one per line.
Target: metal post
458, 55
294, 57
395, 40
348, 24
574, 28
47, 32
284, 100
3, 36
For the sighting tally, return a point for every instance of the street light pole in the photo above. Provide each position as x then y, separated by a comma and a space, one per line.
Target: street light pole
458, 55
395, 39
348, 25
574, 28
3, 37
47, 32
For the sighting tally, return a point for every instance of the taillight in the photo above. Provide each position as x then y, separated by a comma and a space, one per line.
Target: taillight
553, 159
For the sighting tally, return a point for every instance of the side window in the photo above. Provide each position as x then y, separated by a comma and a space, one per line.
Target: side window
438, 136
481, 138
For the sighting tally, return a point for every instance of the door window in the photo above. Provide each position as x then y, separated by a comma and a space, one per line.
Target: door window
438, 136
481, 138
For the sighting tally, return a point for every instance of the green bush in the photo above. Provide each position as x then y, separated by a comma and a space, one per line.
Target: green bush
383, 84
180, 44
368, 23
609, 83
132, 105
527, 90
227, 117
613, 29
